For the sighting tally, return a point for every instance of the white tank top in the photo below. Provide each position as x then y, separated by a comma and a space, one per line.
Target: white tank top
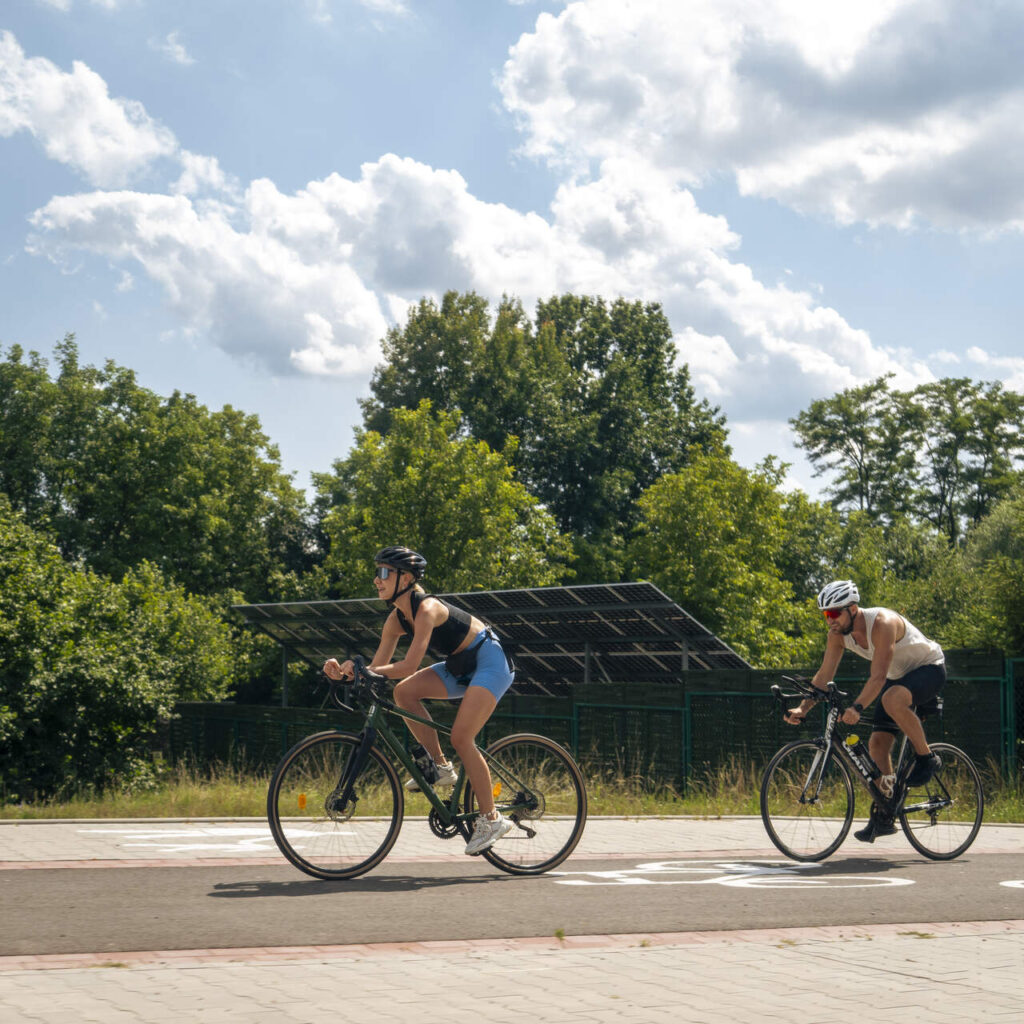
913, 651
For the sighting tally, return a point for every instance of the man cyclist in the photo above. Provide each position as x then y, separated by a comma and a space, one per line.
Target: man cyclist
475, 672
907, 670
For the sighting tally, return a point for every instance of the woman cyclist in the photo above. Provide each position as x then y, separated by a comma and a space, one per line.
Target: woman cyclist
475, 671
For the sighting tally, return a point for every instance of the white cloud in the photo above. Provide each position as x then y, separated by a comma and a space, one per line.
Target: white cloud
201, 172
323, 10
309, 281
75, 119
172, 47
65, 5
253, 296
885, 111
1008, 369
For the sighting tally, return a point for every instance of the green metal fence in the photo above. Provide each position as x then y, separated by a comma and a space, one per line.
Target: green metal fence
671, 732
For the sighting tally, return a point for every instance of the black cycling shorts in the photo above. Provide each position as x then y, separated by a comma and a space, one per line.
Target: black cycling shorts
924, 684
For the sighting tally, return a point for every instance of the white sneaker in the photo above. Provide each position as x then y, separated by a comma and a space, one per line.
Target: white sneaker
487, 832
446, 776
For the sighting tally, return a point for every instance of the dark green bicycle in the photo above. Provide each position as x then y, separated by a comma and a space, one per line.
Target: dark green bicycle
336, 802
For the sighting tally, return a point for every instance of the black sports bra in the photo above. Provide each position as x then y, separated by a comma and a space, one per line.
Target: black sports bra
445, 638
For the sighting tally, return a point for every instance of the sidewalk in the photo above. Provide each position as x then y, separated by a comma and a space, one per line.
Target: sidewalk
939, 970
91, 843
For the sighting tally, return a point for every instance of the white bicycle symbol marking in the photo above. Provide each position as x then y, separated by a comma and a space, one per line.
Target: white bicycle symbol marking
1017, 883
758, 874
237, 839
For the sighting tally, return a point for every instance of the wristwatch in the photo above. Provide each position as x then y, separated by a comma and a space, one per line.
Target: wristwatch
858, 707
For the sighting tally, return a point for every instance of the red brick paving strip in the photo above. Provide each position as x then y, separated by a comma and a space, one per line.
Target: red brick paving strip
278, 954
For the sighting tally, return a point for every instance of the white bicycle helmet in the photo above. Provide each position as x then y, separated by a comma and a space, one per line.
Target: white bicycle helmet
838, 594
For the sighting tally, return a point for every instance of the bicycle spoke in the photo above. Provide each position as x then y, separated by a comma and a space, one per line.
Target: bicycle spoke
538, 785
806, 801
313, 828
942, 818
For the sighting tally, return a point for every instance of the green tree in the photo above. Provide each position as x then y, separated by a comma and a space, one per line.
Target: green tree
994, 555
710, 536
591, 391
941, 454
451, 497
864, 439
970, 440
88, 666
121, 476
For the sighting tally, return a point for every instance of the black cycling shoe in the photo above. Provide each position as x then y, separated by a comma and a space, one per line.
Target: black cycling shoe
925, 768
878, 825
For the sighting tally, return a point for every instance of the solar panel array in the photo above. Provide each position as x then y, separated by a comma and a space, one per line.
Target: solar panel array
559, 636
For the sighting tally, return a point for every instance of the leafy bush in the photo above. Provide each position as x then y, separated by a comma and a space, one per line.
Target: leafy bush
88, 666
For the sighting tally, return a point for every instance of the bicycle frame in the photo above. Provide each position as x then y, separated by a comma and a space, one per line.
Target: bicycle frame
889, 804
375, 727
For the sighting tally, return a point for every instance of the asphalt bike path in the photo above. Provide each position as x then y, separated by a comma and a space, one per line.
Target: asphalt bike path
62, 911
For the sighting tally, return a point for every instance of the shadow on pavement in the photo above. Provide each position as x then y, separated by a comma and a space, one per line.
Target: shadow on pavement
363, 884
860, 865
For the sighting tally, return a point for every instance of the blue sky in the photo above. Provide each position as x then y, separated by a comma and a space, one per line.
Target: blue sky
237, 200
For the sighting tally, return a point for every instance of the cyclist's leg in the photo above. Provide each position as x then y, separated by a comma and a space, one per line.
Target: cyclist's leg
476, 707
409, 695
898, 703
489, 683
900, 698
880, 745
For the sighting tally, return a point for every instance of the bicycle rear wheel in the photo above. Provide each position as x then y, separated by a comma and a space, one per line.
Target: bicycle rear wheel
311, 827
942, 818
806, 801
540, 787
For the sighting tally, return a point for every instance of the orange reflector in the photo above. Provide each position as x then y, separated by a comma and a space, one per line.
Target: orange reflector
302, 801
497, 790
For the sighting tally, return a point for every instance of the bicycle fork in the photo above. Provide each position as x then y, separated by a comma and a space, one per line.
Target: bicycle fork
342, 799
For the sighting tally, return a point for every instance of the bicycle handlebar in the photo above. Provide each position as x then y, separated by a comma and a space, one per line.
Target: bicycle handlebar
365, 684
805, 690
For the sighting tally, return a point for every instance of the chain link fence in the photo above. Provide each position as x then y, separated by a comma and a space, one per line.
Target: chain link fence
670, 733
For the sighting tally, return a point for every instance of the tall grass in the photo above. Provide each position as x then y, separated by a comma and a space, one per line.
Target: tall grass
222, 791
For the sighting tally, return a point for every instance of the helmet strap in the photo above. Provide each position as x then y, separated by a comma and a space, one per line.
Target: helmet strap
853, 622
398, 593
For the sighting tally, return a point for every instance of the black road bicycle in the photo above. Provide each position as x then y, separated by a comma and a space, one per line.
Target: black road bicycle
807, 794
336, 802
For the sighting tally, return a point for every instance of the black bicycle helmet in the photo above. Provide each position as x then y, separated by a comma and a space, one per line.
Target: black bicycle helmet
404, 559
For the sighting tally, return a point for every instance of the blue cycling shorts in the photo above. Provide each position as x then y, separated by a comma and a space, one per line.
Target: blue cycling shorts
492, 670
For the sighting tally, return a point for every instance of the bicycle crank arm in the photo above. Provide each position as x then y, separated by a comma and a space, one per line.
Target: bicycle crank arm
928, 806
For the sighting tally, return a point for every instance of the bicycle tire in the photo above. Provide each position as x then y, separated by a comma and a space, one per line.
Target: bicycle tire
559, 815
948, 815
323, 841
803, 829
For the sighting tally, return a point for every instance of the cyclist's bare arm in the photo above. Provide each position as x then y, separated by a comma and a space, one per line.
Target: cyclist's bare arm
431, 613
829, 663
886, 631
389, 638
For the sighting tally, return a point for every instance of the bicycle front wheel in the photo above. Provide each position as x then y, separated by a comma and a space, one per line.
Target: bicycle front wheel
539, 786
313, 828
942, 818
806, 801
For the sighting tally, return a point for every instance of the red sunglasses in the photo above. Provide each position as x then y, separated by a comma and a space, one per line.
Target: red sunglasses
833, 613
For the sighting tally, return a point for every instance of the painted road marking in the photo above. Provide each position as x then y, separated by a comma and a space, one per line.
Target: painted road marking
761, 874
